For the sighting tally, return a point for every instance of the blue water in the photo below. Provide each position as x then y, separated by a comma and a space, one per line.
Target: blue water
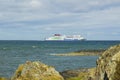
13, 53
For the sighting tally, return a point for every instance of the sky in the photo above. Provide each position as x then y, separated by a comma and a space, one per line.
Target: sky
38, 19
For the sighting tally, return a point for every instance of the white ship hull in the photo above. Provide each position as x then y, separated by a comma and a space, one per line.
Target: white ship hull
58, 37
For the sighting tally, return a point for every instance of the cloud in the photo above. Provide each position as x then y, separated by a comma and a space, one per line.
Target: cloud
35, 3
43, 16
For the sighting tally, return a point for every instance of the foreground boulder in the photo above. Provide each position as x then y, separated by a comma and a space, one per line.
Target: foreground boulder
36, 71
2, 78
108, 65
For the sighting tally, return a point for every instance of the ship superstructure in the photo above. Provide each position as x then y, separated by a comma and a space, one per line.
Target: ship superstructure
59, 37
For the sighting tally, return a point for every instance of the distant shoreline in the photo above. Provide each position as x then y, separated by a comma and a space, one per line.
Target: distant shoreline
82, 53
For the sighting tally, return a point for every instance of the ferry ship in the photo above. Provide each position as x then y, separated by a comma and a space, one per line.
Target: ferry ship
59, 37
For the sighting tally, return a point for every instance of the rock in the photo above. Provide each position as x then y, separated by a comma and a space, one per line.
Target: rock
81, 53
36, 71
79, 74
108, 65
2, 78
72, 73
108, 68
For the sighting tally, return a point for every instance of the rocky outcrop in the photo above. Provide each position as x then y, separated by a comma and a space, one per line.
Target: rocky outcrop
73, 73
2, 78
79, 74
81, 53
108, 65
108, 68
36, 71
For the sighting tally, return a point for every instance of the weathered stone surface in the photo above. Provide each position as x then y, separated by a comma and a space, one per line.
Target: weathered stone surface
79, 74
108, 65
72, 73
1, 78
36, 71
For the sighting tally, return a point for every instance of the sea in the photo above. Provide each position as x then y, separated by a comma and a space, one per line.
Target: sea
15, 52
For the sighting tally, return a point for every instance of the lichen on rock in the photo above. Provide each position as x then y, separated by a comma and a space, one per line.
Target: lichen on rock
36, 71
108, 65
2, 78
